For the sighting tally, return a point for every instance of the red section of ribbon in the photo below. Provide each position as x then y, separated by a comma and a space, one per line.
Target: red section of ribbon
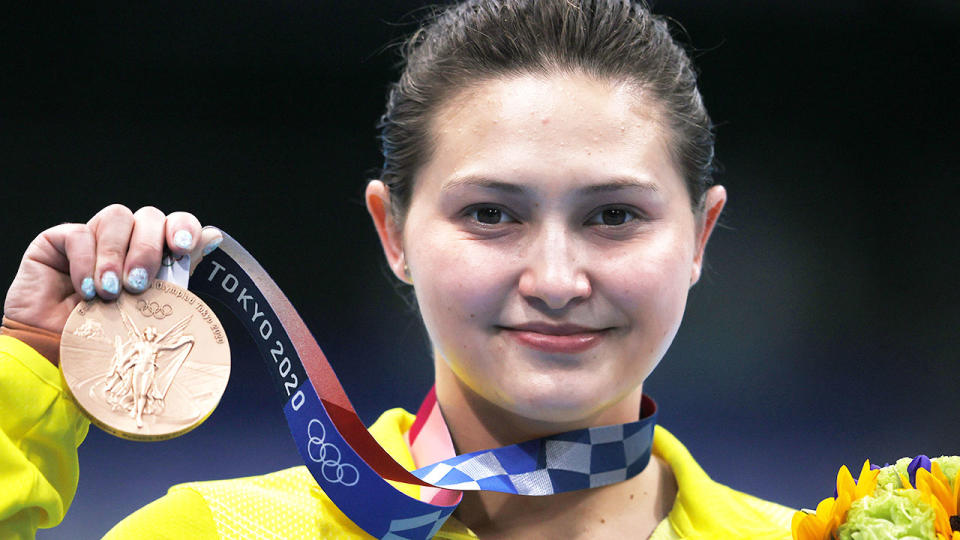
647, 406
422, 414
429, 442
355, 433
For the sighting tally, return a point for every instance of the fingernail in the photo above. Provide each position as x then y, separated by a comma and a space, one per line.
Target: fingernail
87, 289
208, 249
110, 282
137, 279
183, 239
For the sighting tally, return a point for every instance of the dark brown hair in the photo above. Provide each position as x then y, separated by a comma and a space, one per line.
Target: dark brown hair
479, 40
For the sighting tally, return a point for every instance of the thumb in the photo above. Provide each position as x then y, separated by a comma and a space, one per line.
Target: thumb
210, 238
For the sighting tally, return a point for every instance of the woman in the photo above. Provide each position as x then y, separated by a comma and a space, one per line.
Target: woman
546, 193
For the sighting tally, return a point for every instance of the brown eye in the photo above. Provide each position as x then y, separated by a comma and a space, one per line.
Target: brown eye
614, 216
489, 216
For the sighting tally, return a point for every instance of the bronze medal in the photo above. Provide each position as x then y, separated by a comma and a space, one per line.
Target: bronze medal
146, 367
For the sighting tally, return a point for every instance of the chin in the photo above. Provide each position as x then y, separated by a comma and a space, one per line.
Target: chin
570, 399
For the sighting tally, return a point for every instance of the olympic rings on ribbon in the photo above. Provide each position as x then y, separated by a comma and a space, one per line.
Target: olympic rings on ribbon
326, 462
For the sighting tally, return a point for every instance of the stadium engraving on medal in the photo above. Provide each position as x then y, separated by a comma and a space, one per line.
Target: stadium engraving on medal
146, 367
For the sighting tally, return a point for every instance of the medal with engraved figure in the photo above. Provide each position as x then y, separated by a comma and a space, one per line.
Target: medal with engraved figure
146, 367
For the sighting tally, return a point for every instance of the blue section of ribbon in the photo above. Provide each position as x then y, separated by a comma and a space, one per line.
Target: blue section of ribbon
580, 459
220, 277
357, 490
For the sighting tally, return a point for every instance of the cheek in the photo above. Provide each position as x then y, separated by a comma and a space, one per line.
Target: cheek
650, 286
460, 289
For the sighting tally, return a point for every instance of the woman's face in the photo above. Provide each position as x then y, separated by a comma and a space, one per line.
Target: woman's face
551, 243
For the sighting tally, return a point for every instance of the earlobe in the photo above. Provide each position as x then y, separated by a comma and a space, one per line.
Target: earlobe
714, 200
377, 197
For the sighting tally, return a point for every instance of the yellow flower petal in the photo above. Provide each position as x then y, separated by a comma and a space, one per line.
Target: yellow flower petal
929, 483
941, 520
840, 509
952, 502
905, 480
808, 527
937, 472
845, 481
956, 497
798, 518
867, 481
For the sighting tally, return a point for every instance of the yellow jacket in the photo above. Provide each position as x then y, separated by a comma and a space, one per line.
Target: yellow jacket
41, 428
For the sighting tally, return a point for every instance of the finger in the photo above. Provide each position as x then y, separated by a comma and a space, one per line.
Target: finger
182, 231
72, 251
145, 250
210, 238
111, 227
80, 247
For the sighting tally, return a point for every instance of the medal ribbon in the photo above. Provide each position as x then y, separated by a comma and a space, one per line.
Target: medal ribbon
348, 463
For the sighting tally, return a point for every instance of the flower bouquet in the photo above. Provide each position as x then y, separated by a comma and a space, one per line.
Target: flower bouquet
915, 499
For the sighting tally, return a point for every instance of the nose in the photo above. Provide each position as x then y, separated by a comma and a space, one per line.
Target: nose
553, 272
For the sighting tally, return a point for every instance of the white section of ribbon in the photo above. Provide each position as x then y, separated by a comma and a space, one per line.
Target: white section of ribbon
176, 271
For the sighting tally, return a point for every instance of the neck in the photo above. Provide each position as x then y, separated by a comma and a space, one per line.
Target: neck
630, 509
635, 505
475, 423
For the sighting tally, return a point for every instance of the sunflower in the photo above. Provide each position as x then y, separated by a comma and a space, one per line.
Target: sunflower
936, 489
831, 512
918, 498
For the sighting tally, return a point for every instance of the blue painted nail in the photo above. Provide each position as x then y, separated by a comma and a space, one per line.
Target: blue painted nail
183, 239
87, 289
208, 249
137, 279
110, 282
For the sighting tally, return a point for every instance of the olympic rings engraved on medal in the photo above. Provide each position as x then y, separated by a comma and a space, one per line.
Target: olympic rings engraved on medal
153, 309
323, 457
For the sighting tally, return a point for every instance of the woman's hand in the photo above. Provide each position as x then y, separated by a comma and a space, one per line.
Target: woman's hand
116, 248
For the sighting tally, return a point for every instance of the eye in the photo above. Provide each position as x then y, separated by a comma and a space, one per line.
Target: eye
612, 216
488, 215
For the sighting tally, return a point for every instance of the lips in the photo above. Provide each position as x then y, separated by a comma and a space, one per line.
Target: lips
562, 339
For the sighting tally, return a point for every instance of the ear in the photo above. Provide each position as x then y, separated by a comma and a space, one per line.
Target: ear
377, 196
714, 199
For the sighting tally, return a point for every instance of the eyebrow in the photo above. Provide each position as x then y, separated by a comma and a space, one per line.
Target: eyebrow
482, 182
614, 184
621, 183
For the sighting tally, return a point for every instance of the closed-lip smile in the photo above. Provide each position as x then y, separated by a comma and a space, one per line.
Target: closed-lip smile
555, 338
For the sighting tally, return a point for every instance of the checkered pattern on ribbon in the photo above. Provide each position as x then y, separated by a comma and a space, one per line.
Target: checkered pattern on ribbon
581, 459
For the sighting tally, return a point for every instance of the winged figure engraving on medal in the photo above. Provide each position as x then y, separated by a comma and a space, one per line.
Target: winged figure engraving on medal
144, 365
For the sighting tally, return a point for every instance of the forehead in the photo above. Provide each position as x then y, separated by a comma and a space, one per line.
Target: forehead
566, 124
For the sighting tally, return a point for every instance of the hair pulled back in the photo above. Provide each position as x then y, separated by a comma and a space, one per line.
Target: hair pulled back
478, 40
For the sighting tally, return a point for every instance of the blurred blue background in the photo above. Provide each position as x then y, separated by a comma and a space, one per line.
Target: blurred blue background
823, 333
